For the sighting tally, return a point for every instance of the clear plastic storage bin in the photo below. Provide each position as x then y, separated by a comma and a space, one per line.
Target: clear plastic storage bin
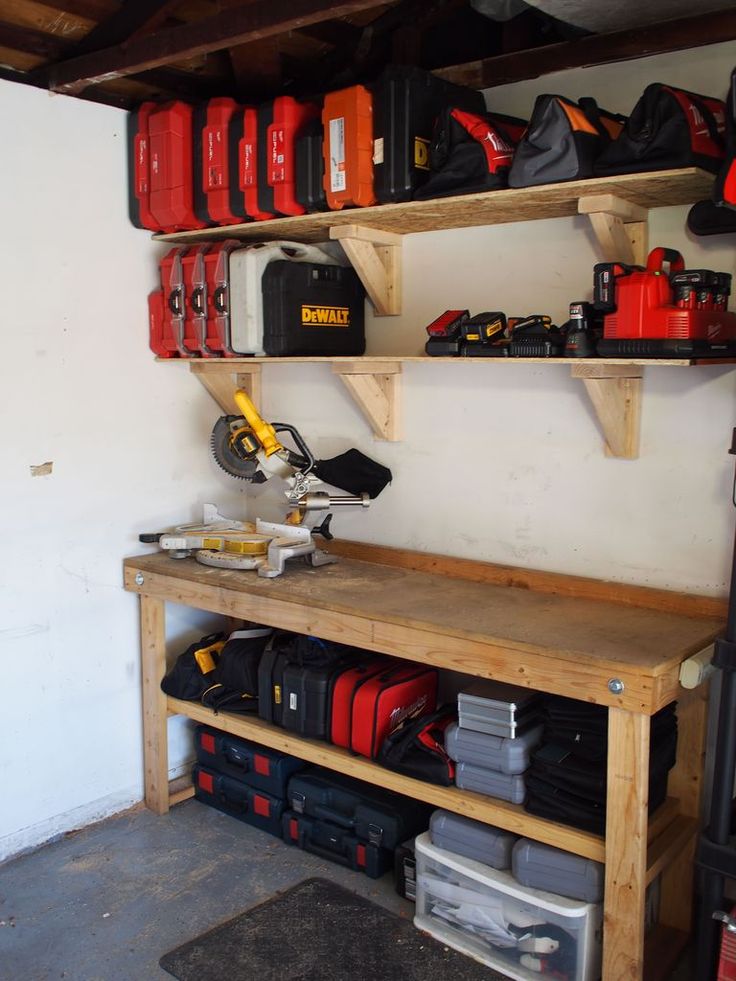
521, 932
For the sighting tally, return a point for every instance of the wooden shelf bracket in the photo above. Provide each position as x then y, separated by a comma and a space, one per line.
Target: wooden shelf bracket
222, 379
376, 390
615, 392
621, 227
376, 257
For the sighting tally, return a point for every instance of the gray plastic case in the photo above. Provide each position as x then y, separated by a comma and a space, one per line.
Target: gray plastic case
505, 786
473, 839
497, 708
544, 867
493, 752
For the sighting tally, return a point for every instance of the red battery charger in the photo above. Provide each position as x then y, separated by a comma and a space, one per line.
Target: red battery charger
654, 313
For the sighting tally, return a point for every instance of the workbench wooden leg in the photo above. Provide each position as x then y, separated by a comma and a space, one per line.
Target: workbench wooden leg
686, 783
626, 845
155, 730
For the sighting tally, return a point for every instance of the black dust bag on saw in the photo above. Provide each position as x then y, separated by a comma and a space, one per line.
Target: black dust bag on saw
470, 152
668, 128
562, 141
718, 215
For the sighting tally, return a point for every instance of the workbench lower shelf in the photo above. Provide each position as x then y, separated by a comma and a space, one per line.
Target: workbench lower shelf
668, 831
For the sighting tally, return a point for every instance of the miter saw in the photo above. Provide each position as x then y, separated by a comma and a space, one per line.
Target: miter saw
248, 447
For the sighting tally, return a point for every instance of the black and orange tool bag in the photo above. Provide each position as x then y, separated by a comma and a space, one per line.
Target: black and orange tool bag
139, 168
563, 141
470, 152
171, 196
406, 103
236, 798
668, 128
213, 172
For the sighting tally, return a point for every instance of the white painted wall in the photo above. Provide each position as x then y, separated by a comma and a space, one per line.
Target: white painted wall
128, 441
499, 462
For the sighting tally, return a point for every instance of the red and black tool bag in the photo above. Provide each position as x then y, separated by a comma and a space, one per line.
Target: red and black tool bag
724, 192
668, 128
469, 152
563, 141
388, 699
417, 748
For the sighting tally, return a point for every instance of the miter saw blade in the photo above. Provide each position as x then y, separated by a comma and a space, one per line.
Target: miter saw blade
226, 455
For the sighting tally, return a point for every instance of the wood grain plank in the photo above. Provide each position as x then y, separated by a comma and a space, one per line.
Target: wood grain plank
626, 845
155, 735
651, 190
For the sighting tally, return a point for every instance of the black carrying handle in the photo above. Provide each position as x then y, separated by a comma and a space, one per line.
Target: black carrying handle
342, 857
238, 761
334, 817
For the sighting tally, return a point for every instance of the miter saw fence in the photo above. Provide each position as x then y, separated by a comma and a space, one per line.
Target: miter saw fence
247, 447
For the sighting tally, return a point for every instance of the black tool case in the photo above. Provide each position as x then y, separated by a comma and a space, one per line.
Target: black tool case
259, 767
372, 814
406, 102
311, 309
335, 844
237, 799
306, 693
310, 168
271, 684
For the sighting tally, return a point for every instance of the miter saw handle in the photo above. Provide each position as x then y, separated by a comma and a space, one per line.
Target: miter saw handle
306, 463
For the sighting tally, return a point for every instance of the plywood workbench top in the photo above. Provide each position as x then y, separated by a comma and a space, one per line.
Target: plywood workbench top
517, 626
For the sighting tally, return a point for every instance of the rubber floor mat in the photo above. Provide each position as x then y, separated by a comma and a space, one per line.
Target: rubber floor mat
319, 931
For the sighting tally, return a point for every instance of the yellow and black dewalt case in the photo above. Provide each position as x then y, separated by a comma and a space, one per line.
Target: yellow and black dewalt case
312, 309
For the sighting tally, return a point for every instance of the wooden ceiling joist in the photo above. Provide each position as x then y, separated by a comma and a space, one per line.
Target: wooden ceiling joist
261, 19
596, 49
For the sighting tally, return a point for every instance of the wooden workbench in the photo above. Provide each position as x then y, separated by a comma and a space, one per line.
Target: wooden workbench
615, 645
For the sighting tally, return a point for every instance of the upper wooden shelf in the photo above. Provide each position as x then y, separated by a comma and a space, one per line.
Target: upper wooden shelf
651, 190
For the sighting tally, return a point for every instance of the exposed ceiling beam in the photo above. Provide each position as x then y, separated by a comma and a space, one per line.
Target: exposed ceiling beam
97, 95
261, 19
335, 32
596, 49
131, 17
50, 47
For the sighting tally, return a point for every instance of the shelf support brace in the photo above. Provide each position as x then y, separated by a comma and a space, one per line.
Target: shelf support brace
222, 379
615, 392
376, 257
620, 227
376, 390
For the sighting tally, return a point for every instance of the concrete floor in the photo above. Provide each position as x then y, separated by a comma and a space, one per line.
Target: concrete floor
105, 903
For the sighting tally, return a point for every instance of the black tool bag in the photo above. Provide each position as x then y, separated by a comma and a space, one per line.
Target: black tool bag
563, 141
470, 152
417, 748
717, 216
190, 676
668, 128
234, 685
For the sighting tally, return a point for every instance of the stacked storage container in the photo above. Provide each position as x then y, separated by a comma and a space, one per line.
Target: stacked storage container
497, 729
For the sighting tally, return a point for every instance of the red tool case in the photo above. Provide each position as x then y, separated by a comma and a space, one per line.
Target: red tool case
172, 168
166, 308
252, 192
386, 700
289, 119
214, 174
344, 689
139, 168
195, 302
217, 294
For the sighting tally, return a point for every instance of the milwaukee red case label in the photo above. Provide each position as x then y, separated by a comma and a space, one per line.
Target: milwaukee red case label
214, 147
278, 157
